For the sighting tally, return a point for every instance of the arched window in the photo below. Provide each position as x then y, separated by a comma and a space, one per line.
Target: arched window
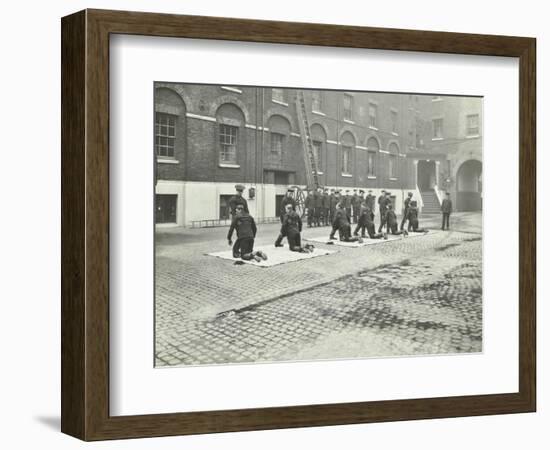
348, 144
279, 132
169, 124
319, 140
393, 161
231, 122
372, 154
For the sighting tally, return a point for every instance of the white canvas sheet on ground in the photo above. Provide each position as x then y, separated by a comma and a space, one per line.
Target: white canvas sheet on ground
136, 387
366, 241
275, 256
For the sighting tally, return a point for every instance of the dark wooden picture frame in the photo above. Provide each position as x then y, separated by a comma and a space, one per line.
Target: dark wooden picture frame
85, 224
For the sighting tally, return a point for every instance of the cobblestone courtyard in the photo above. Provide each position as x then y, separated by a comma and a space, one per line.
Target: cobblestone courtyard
420, 295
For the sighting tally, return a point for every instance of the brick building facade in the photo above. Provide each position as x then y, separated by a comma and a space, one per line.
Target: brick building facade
210, 137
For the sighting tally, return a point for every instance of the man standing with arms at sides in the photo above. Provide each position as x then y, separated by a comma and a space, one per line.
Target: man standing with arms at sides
381, 209
326, 207
318, 206
288, 200
246, 232
356, 201
238, 199
333, 202
406, 203
308, 205
446, 210
347, 204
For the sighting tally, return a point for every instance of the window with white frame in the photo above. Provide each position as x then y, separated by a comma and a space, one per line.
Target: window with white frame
371, 158
277, 145
318, 152
346, 157
165, 134
373, 112
348, 107
437, 128
393, 166
316, 101
278, 95
393, 115
472, 124
228, 143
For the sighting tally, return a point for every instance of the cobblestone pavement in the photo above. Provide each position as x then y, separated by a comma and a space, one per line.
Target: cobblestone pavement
412, 296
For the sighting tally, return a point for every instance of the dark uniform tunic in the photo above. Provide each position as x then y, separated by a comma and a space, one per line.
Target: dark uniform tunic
292, 225
317, 206
370, 201
341, 223
412, 217
326, 207
246, 232
406, 203
446, 209
310, 208
334, 199
391, 220
383, 202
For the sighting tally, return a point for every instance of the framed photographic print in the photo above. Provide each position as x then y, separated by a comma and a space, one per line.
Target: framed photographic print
270, 224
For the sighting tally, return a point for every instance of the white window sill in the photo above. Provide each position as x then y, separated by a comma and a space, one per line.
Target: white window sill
437, 99
472, 136
347, 175
351, 122
319, 113
393, 179
229, 166
373, 128
384, 151
320, 173
232, 89
168, 161
437, 139
394, 133
371, 177
279, 102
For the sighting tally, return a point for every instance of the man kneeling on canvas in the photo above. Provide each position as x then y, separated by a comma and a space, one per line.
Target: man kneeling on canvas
391, 222
341, 223
291, 228
246, 232
412, 217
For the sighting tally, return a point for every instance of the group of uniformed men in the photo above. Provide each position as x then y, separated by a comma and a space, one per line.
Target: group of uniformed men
326, 207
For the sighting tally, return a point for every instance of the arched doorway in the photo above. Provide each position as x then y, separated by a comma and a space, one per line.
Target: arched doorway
469, 186
426, 175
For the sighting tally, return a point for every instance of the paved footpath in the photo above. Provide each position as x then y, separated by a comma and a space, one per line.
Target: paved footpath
412, 296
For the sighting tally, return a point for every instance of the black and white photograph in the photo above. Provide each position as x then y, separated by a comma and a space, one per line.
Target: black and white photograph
295, 224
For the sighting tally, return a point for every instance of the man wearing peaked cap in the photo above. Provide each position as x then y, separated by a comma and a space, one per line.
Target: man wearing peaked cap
238, 199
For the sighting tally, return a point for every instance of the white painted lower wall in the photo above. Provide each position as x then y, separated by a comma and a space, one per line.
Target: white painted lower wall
201, 200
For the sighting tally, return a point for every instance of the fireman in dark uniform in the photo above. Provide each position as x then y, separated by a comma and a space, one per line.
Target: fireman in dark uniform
406, 203
288, 200
356, 201
326, 207
238, 199
383, 202
347, 203
334, 199
412, 217
370, 199
341, 223
391, 221
317, 206
308, 204
292, 225
246, 232
446, 210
